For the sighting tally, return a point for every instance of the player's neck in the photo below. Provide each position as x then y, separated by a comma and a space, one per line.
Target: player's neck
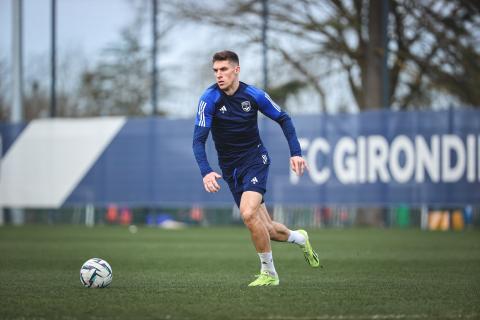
232, 89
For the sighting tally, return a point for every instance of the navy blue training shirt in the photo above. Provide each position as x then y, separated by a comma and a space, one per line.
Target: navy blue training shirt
233, 122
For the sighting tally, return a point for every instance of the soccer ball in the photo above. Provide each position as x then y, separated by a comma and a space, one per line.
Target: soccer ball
96, 273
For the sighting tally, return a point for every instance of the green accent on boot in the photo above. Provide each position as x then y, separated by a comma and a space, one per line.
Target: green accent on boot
310, 255
265, 278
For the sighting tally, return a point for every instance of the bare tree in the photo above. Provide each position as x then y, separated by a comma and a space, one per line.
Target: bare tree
432, 44
119, 84
121, 81
36, 100
36, 86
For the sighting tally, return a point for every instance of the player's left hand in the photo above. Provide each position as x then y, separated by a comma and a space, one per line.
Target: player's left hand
298, 165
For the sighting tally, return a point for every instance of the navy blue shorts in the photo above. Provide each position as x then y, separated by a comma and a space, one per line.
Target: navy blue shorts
249, 177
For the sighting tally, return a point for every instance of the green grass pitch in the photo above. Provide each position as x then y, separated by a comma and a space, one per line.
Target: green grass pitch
202, 273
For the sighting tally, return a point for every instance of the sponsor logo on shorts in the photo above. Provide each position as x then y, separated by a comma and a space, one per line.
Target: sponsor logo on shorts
254, 180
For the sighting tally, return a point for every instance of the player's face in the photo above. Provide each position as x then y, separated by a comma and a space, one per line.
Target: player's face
226, 74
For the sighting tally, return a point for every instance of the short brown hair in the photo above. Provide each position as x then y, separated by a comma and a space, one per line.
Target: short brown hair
226, 55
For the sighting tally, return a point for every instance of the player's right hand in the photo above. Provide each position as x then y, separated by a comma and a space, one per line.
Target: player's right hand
210, 182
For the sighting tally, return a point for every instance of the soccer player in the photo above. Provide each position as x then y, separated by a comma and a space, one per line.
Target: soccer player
229, 109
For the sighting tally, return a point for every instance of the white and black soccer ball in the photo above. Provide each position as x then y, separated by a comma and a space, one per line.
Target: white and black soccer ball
96, 273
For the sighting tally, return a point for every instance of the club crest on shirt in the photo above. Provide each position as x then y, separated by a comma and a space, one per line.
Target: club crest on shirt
246, 106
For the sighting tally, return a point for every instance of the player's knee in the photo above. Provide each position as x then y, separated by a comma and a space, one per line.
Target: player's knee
248, 216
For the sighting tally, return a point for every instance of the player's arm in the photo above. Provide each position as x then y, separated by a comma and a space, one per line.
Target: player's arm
200, 134
272, 110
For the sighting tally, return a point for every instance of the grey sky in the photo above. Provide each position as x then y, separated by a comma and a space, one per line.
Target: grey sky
86, 24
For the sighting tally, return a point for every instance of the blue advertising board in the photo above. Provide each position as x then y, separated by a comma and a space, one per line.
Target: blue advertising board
370, 158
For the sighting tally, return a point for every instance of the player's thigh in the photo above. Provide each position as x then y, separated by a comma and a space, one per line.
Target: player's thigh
250, 203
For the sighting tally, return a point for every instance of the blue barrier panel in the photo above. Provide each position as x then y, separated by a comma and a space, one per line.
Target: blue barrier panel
149, 162
8, 133
371, 158
384, 158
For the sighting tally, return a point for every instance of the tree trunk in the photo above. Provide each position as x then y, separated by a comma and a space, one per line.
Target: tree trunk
372, 84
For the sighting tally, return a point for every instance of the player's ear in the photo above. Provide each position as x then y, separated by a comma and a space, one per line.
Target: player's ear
237, 69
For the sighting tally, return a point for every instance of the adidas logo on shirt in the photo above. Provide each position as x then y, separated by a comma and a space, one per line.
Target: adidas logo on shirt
223, 109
